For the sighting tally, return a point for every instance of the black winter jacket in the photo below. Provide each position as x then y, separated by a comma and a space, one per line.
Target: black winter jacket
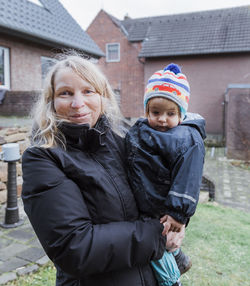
82, 209
165, 168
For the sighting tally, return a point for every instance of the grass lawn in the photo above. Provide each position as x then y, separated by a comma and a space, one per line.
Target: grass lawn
217, 240
45, 276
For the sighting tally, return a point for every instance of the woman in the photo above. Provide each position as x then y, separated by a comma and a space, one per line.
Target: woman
75, 190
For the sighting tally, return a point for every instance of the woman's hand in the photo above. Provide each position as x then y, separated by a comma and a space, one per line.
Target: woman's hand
170, 224
174, 239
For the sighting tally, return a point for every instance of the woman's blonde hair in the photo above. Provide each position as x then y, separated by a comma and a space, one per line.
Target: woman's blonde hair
45, 129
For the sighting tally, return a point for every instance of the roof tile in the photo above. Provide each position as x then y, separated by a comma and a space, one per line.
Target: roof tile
50, 22
216, 31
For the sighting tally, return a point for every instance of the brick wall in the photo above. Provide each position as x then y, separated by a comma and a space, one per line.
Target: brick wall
18, 103
237, 124
25, 62
126, 75
208, 76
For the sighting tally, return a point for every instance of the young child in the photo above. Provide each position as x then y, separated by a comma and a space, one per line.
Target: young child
165, 158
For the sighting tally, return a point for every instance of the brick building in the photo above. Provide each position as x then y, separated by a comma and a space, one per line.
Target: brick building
31, 33
121, 65
212, 47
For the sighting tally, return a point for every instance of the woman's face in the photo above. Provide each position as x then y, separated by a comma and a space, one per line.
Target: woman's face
75, 99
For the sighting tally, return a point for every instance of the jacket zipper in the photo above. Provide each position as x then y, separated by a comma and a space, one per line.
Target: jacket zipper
123, 205
141, 275
114, 183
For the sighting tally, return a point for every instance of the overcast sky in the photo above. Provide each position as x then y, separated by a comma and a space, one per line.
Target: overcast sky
84, 11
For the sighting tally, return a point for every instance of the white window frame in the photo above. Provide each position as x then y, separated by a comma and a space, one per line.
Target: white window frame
6, 66
107, 54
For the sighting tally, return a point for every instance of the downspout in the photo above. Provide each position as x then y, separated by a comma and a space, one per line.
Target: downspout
225, 104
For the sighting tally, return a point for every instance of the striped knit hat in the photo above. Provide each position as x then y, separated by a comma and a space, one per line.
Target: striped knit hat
169, 83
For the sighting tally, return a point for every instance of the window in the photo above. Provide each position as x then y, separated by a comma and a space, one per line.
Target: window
4, 68
117, 96
113, 52
46, 64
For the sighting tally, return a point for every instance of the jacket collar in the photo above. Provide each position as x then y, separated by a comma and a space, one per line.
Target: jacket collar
84, 137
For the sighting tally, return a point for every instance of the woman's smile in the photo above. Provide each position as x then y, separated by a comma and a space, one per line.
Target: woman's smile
79, 118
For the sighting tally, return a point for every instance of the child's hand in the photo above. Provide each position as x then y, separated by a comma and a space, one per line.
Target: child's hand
174, 239
170, 224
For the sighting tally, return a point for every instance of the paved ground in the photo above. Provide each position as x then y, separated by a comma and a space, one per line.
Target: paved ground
14, 121
21, 253
232, 184
20, 250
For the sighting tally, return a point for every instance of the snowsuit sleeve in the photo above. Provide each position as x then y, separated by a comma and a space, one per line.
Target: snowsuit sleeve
186, 176
60, 217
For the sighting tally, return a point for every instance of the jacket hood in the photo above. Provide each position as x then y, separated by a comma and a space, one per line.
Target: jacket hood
197, 121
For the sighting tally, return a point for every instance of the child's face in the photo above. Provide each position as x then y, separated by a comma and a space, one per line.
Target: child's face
162, 114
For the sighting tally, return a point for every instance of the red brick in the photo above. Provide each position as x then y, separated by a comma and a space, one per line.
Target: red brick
126, 75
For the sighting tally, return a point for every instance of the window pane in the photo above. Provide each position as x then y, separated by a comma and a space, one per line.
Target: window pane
113, 52
46, 64
4, 68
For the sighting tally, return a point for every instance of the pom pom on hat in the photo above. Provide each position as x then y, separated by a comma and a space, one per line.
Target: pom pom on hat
173, 68
169, 83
